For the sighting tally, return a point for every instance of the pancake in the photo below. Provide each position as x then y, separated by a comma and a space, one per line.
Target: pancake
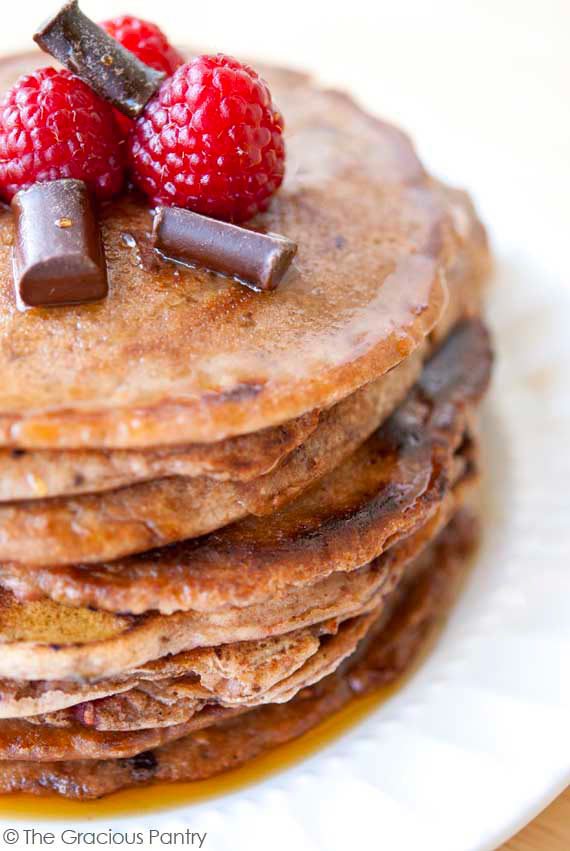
48, 641
383, 491
195, 686
22, 739
336, 642
177, 355
224, 513
137, 518
390, 647
87, 730
31, 474
231, 673
467, 273
51, 642
120, 522
171, 689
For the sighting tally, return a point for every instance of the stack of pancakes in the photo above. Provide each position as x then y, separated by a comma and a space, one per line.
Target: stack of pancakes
224, 513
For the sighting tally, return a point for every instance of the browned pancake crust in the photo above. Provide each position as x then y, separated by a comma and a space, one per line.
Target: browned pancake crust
390, 649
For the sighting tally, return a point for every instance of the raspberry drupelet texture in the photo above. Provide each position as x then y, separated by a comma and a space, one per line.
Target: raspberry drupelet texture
53, 126
149, 44
210, 140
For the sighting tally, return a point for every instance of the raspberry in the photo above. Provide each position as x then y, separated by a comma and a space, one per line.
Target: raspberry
149, 43
146, 41
52, 125
210, 140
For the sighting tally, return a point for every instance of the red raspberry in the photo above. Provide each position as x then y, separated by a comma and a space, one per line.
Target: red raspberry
52, 125
210, 140
146, 41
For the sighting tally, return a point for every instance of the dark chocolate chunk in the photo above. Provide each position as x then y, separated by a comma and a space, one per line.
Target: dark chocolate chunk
58, 253
257, 259
115, 73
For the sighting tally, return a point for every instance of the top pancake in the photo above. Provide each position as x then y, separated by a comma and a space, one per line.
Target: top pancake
178, 355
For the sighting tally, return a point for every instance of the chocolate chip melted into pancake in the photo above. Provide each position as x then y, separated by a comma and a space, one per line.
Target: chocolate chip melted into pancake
178, 355
391, 645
